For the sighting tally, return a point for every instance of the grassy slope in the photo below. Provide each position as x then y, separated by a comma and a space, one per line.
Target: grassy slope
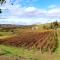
4, 35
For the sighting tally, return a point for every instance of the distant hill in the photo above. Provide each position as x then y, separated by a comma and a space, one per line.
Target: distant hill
48, 25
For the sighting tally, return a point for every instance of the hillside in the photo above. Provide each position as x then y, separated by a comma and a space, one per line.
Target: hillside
33, 42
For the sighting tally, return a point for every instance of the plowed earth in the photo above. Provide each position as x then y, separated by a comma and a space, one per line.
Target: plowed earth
40, 40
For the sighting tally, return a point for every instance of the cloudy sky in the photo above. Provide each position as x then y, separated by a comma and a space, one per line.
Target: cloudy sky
26, 12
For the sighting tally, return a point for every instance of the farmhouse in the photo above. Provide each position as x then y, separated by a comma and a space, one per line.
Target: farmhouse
35, 28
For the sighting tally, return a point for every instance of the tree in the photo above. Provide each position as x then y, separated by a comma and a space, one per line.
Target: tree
54, 25
51, 25
0, 11
2, 1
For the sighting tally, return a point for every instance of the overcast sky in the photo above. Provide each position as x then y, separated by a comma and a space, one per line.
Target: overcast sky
28, 12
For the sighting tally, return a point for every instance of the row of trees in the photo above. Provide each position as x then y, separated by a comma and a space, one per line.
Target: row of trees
53, 25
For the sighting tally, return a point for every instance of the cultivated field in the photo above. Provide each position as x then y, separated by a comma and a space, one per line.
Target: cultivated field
28, 44
38, 40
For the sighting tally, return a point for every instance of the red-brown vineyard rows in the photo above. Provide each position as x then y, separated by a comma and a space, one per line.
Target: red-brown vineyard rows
44, 41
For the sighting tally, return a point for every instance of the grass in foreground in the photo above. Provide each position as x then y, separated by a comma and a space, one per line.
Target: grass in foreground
31, 54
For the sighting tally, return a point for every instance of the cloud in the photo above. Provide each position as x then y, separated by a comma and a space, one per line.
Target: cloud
52, 6
16, 14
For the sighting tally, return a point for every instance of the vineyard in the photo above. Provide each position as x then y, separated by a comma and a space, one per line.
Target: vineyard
43, 41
